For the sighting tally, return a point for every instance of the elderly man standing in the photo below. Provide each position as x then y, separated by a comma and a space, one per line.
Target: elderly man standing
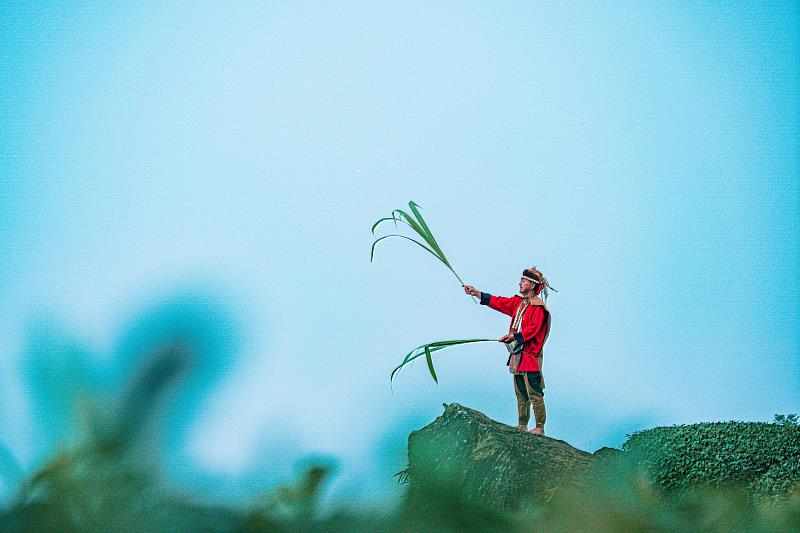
530, 326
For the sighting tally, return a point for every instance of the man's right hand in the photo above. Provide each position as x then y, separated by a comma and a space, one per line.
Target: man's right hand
472, 291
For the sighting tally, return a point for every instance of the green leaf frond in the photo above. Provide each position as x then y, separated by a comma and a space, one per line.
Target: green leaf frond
428, 349
417, 223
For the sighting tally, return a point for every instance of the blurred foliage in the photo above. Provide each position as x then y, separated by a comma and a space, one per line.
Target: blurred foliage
110, 483
623, 498
104, 470
289, 506
762, 459
70, 383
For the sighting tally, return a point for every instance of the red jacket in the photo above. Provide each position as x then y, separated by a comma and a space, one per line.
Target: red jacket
534, 330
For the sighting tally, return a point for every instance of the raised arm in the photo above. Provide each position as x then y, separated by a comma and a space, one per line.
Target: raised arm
507, 306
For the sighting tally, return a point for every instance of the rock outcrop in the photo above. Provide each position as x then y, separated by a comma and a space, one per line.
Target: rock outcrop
466, 455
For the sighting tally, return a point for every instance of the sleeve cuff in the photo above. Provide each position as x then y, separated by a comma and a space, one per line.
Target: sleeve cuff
485, 297
518, 338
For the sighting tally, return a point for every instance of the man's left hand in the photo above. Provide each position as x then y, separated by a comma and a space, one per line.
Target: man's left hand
507, 338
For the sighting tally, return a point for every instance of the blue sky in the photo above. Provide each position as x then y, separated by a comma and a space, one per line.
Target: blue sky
645, 157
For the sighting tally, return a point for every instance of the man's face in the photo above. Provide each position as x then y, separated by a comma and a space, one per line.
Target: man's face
525, 286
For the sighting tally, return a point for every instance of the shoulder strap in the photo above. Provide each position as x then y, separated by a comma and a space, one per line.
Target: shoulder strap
516, 324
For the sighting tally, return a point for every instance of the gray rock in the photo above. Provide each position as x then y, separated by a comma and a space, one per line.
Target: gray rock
464, 455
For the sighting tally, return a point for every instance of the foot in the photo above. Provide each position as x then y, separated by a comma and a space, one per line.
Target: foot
537, 431
523, 428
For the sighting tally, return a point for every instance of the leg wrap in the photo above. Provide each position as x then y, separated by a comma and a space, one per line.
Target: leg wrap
534, 386
523, 401
539, 412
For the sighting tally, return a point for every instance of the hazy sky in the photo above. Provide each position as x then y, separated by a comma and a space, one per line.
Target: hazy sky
644, 155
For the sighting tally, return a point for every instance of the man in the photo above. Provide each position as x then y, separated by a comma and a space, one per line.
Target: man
530, 326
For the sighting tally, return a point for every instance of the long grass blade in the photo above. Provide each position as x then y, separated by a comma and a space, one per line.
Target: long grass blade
431, 240
403, 217
429, 360
379, 222
435, 346
418, 229
414, 354
423, 231
420, 351
428, 349
372, 252
399, 215
417, 223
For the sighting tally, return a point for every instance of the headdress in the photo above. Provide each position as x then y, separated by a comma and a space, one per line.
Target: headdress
533, 275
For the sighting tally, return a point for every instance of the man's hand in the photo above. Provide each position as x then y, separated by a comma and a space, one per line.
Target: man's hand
507, 338
472, 291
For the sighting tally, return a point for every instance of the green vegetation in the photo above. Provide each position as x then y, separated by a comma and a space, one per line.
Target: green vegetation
428, 349
420, 227
417, 223
623, 498
762, 459
107, 484
106, 474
